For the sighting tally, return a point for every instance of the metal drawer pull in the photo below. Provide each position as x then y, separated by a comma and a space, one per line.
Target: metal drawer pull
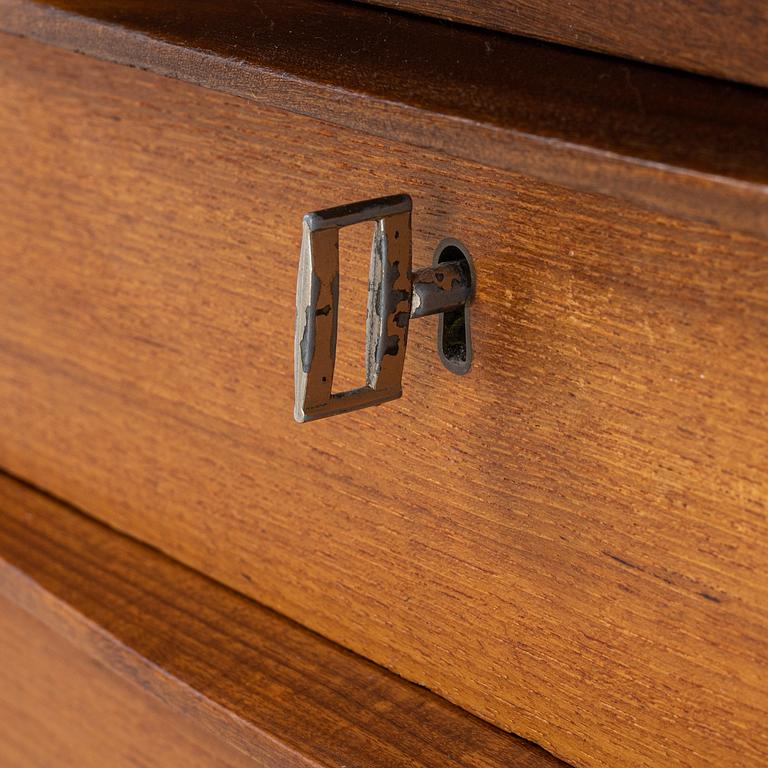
396, 295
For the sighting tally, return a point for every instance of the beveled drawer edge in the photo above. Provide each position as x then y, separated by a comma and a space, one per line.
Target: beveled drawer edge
696, 180
248, 676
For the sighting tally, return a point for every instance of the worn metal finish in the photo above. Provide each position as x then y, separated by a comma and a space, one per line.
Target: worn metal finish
440, 288
317, 306
395, 295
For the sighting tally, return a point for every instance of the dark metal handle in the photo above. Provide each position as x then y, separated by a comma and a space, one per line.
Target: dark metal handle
395, 295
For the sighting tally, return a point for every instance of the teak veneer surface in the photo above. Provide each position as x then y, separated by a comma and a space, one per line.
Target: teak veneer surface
725, 38
679, 144
126, 657
61, 708
569, 541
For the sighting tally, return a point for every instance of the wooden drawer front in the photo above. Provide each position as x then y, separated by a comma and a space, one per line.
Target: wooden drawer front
569, 541
62, 708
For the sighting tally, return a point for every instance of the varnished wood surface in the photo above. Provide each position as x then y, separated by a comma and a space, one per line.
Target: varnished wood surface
679, 144
724, 38
143, 662
569, 541
60, 708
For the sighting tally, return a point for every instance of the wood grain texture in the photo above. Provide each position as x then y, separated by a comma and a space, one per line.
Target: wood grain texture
60, 707
143, 662
675, 143
724, 38
570, 541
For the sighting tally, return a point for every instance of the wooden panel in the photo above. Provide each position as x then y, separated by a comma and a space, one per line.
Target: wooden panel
569, 541
153, 664
725, 38
60, 707
675, 143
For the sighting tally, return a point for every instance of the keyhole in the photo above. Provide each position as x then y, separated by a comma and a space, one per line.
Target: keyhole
454, 343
